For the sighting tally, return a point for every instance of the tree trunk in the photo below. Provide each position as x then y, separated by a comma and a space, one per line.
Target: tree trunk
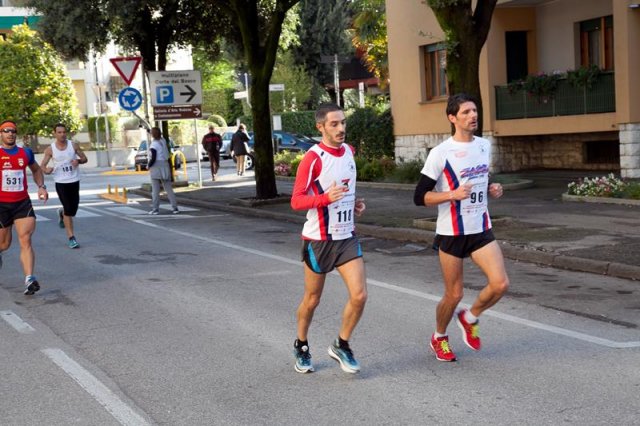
466, 31
263, 148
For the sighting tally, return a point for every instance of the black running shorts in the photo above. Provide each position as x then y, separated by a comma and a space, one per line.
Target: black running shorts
69, 195
12, 211
323, 256
462, 245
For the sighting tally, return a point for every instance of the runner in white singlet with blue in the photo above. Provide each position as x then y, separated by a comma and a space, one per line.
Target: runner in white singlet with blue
455, 177
326, 187
67, 156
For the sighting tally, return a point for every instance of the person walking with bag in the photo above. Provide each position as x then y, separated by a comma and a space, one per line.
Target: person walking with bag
239, 147
160, 172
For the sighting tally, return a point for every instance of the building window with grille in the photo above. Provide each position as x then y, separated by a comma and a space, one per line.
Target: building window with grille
435, 62
596, 42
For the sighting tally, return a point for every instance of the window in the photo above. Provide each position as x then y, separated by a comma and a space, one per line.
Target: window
596, 42
435, 62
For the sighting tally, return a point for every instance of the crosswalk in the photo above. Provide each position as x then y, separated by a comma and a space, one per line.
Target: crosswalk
99, 208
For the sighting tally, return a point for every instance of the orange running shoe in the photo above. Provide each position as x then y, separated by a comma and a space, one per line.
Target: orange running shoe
440, 347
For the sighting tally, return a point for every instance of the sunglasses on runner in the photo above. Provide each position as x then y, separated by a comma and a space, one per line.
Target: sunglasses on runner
9, 131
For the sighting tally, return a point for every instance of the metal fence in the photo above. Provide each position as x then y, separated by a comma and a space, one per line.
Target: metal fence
568, 100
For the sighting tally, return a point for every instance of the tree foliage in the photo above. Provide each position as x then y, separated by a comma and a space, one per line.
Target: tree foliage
149, 27
466, 31
35, 89
297, 85
322, 32
369, 35
260, 24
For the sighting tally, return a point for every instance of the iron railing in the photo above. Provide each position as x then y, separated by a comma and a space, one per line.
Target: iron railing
568, 100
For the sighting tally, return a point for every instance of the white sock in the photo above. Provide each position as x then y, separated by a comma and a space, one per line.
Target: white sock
439, 335
469, 317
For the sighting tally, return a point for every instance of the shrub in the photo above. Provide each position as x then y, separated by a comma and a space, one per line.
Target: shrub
407, 172
286, 163
217, 120
371, 132
303, 122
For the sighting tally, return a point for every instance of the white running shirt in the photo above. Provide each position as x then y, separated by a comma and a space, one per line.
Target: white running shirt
320, 167
63, 171
452, 164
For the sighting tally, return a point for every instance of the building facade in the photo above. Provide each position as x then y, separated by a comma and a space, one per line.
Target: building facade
589, 127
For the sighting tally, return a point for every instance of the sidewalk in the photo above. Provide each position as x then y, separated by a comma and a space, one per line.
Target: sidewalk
532, 225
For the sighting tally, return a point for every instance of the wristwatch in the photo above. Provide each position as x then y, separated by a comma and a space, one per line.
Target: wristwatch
43, 186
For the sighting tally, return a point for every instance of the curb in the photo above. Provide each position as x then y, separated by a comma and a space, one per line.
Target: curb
601, 200
510, 251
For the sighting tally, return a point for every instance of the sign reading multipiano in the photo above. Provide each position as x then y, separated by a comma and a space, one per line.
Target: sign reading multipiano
182, 112
175, 88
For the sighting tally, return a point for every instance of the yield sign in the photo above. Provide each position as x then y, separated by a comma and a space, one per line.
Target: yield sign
126, 67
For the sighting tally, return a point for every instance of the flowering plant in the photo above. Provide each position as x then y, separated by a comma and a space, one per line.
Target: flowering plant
283, 169
605, 186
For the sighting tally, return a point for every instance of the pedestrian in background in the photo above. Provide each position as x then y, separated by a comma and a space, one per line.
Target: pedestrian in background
326, 186
67, 156
455, 178
15, 204
212, 143
240, 148
160, 172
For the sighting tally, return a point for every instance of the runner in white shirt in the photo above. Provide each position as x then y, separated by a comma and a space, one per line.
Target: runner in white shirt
456, 179
67, 156
325, 186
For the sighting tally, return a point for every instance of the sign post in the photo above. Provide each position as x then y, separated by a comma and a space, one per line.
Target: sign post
177, 95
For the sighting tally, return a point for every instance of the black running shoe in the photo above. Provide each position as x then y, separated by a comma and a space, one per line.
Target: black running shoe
32, 287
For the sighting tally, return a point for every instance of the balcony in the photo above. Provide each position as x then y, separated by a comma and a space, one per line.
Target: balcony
568, 100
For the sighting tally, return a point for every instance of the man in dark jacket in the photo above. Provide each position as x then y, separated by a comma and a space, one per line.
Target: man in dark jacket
212, 142
239, 147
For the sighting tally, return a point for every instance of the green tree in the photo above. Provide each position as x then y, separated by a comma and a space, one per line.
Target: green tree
297, 84
369, 35
260, 24
466, 31
323, 32
149, 27
35, 89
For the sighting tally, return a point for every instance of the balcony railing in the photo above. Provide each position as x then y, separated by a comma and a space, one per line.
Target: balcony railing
568, 100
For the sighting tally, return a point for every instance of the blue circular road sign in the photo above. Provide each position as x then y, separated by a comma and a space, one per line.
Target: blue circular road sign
130, 99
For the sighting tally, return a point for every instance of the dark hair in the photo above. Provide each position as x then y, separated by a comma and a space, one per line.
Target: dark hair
454, 102
324, 109
59, 125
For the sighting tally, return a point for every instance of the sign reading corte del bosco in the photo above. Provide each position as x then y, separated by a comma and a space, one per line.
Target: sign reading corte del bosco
175, 88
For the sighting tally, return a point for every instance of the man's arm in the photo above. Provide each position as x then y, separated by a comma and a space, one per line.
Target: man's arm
38, 177
48, 154
82, 159
153, 154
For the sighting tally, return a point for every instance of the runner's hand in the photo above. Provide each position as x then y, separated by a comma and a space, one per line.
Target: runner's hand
43, 194
462, 192
336, 193
495, 190
360, 207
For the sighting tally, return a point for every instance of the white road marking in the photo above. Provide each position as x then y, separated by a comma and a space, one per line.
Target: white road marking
124, 414
16, 322
435, 298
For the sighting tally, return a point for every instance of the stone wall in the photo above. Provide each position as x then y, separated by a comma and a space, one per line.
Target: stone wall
514, 153
630, 150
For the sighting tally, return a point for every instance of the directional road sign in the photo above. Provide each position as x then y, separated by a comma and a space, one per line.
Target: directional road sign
276, 87
240, 95
180, 112
126, 67
130, 99
170, 88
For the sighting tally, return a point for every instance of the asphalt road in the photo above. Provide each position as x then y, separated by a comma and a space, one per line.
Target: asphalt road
189, 320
